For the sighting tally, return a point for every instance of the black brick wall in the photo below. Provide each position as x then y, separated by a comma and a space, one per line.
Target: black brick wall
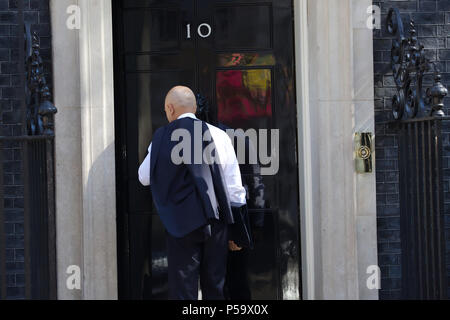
37, 13
432, 20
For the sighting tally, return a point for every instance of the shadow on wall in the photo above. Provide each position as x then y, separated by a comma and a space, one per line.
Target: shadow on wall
99, 228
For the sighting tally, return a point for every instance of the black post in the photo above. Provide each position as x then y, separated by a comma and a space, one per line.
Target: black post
439, 198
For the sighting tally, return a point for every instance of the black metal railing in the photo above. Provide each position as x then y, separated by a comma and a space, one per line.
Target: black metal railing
35, 152
422, 208
419, 119
38, 216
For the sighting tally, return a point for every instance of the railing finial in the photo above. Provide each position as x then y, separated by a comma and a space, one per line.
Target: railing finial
40, 109
409, 66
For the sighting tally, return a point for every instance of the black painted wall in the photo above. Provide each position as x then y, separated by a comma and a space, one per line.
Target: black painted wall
432, 20
37, 13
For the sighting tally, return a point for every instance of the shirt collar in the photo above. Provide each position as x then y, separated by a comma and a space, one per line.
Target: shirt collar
187, 115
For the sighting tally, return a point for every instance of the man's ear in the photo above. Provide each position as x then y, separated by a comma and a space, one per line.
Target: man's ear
171, 109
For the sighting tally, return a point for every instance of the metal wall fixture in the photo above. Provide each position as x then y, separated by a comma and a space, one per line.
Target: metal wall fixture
409, 66
363, 152
419, 119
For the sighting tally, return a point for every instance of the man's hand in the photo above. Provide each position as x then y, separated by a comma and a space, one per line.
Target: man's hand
233, 246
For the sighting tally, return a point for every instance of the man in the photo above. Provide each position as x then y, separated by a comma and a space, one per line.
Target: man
193, 199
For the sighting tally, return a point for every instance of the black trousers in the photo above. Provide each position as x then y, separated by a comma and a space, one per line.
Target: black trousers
198, 255
237, 286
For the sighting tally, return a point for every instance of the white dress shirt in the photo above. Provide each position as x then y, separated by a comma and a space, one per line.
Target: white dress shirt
227, 160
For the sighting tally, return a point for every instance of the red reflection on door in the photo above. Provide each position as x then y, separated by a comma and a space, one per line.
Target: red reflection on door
243, 95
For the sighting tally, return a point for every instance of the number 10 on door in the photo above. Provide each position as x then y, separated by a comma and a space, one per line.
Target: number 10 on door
204, 30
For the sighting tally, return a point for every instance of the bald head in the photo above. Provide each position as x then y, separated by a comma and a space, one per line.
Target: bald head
180, 100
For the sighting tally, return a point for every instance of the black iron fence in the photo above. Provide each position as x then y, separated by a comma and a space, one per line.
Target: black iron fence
39, 215
422, 208
419, 118
35, 150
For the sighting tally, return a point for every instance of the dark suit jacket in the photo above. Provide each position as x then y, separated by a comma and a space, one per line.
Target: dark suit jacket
188, 195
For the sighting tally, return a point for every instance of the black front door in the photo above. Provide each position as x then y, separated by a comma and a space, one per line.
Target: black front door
239, 56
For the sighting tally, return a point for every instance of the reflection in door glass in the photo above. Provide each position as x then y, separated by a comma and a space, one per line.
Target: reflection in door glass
245, 59
244, 98
244, 101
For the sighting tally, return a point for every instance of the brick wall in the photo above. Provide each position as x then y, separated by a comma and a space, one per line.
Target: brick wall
36, 13
432, 20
